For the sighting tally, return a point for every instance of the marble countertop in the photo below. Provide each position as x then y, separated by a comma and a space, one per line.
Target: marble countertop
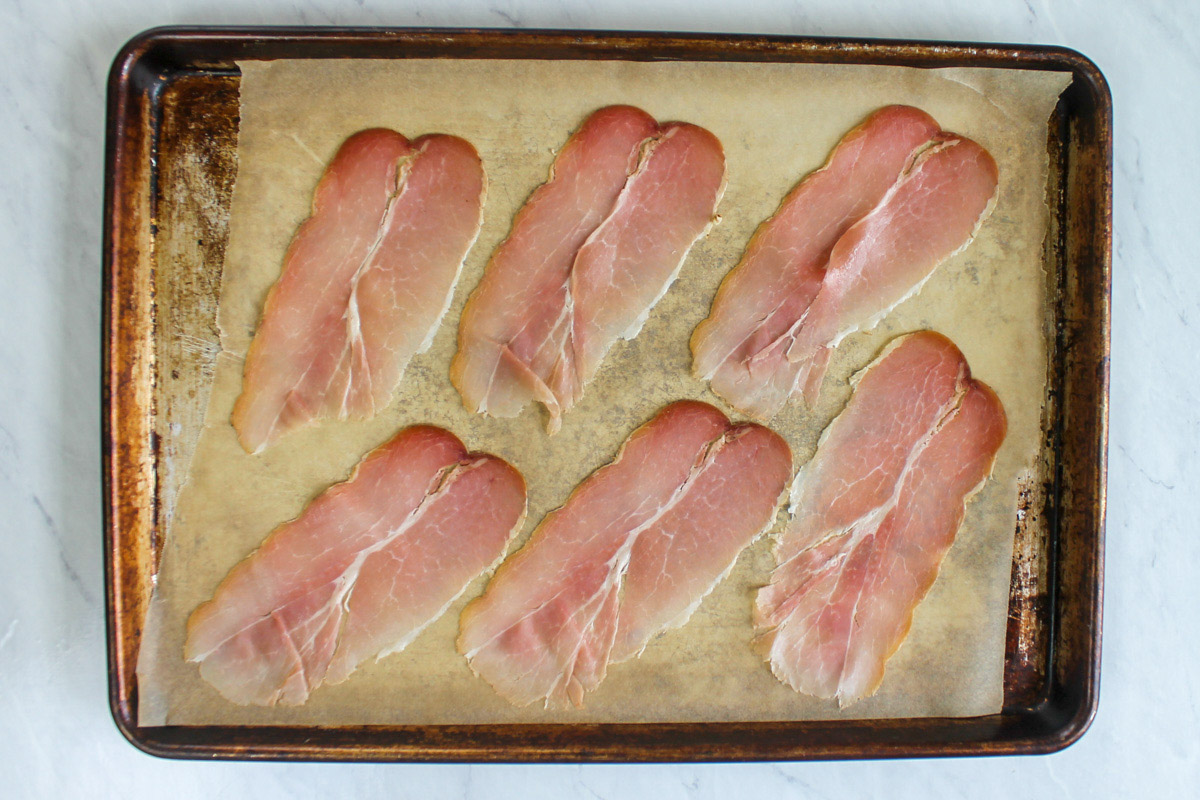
59, 739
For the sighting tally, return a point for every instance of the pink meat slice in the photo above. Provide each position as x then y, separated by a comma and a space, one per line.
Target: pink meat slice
873, 516
360, 572
589, 254
784, 264
631, 554
365, 282
930, 214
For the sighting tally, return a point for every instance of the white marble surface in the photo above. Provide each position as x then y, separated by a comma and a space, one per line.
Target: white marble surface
57, 737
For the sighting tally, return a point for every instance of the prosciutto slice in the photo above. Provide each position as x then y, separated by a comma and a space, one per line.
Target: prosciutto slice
874, 513
365, 282
360, 572
590, 253
853, 240
631, 554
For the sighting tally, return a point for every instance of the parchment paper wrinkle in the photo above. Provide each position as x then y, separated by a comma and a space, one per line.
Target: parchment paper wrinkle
777, 123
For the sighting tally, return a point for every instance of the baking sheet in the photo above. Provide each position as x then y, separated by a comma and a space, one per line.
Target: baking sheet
777, 122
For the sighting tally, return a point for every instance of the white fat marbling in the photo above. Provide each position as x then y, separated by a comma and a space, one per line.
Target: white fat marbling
58, 738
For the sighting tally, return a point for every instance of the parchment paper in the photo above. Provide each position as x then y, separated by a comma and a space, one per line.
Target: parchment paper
777, 123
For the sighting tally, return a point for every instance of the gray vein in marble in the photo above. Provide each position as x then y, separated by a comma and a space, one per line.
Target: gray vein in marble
582, 784
1156, 481
508, 17
784, 772
76, 581
8, 633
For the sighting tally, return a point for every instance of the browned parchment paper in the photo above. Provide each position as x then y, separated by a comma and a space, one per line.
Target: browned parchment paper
777, 122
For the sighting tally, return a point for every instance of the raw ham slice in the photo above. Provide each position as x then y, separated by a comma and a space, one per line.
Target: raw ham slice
360, 572
365, 282
784, 263
635, 549
590, 253
931, 213
874, 513
851, 242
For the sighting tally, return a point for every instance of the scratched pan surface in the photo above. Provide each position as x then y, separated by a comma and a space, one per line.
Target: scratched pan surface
171, 161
